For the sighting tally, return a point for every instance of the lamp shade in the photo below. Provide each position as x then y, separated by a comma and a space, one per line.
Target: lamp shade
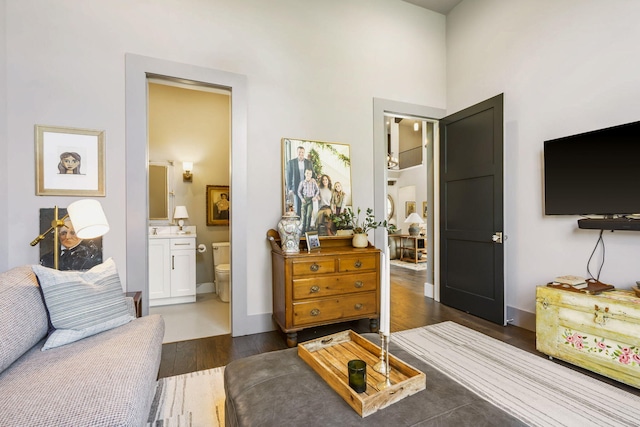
88, 218
180, 212
414, 218
187, 166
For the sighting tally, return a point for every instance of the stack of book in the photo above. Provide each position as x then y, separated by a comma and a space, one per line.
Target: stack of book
576, 282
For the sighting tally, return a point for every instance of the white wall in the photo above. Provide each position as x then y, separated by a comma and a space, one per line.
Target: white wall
313, 69
4, 147
565, 67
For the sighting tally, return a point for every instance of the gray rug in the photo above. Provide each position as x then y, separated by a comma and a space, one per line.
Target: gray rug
533, 389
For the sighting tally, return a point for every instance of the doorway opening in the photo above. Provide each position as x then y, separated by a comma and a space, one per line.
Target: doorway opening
138, 69
189, 122
407, 140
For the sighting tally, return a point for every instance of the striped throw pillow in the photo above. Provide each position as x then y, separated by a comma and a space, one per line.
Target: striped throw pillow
82, 303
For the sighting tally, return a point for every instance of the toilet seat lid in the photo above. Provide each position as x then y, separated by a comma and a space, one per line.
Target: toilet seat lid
223, 268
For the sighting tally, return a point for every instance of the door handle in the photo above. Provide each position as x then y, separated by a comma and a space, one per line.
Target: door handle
497, 237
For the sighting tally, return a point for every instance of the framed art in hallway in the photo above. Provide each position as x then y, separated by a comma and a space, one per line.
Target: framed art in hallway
424, 209
218, 205
409, 207
69, 161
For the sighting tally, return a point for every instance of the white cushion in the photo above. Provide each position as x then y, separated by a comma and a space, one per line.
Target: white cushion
82, 303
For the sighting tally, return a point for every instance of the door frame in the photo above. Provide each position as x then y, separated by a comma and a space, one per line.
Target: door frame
380, 108
137, 69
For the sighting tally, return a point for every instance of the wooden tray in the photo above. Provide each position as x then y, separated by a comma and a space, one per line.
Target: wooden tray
328, 356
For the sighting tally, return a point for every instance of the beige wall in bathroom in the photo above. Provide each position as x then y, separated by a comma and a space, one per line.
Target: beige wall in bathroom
193, 125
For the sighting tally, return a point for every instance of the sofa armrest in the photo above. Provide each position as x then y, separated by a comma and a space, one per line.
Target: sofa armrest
131, 306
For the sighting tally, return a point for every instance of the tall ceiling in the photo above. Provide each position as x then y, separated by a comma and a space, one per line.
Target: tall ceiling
440, 6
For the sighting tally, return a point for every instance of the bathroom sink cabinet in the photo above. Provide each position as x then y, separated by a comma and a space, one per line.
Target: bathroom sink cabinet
336, 283
172, 269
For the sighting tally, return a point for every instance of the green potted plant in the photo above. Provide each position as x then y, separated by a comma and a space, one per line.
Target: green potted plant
348, 220
343, 222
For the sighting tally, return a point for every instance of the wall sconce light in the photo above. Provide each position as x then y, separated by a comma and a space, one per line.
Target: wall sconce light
187, 176
88, 219
180, 213
416, 126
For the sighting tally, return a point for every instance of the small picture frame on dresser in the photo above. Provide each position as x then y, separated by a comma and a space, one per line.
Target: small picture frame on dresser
313, 240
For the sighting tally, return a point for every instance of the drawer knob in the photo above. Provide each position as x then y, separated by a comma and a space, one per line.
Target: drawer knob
357, 264
315, 312
358, 306
314, 267
358, 284
315, 288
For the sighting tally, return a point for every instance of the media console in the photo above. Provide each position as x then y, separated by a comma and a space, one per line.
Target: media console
610, 224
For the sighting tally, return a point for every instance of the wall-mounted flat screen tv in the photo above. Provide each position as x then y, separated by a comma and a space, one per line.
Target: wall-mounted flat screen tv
593, 173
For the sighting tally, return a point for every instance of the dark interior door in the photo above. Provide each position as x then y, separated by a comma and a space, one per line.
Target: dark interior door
471, 210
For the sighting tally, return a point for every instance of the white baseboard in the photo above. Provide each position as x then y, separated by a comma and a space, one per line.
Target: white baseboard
521, 318
205, 288
428, 290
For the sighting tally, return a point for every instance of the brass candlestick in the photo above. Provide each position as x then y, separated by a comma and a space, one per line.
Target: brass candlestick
383, 365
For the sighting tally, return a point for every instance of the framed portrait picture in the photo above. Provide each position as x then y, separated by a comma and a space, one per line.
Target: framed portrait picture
69, 161
218, 204
316, 181
410, 207
74, 253
313, 240
424, 209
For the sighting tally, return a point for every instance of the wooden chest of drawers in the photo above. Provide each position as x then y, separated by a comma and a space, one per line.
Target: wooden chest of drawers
336, 283
597, 332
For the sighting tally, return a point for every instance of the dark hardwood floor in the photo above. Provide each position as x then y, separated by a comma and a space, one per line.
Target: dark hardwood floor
409, 309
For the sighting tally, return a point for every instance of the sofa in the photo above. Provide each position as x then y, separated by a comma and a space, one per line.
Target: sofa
104, 379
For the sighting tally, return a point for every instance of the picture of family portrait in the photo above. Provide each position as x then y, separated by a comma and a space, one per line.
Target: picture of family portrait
317, 179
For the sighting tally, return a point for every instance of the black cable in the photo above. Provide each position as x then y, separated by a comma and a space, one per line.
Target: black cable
600, 240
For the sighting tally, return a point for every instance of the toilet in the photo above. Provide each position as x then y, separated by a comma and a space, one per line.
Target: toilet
221, 251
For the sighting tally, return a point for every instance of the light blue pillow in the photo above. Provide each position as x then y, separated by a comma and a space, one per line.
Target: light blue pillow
82, 303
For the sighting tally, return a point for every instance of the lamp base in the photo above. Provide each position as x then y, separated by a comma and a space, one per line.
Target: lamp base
414, 230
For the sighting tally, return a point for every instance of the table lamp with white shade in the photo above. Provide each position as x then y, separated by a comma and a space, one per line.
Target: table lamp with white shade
180, 213
415, 220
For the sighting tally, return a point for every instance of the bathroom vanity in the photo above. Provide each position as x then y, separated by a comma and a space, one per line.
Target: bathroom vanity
172, 268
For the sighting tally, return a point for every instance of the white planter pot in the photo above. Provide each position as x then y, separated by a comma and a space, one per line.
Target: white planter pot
360, 241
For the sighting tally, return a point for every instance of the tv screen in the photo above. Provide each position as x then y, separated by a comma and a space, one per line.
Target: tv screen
595, 173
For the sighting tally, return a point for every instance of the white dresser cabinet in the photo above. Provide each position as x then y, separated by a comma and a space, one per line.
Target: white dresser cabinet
597, 332
172, 269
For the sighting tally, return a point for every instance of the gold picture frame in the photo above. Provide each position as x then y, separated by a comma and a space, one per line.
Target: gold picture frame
69, 161
425, 211
409, 207
218, 205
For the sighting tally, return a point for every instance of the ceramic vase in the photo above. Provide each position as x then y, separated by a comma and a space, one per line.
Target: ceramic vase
290, 229
360, 240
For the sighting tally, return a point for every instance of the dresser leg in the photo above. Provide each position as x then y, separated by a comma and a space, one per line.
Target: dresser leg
292, 339
373, 325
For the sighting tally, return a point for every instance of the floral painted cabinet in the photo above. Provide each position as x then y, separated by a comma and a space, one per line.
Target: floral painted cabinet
597, 332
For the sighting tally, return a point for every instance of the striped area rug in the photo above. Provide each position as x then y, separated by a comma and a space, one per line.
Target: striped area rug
534, 389
194, 399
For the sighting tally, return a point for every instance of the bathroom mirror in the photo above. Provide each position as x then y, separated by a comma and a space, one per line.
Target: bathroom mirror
160, 192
